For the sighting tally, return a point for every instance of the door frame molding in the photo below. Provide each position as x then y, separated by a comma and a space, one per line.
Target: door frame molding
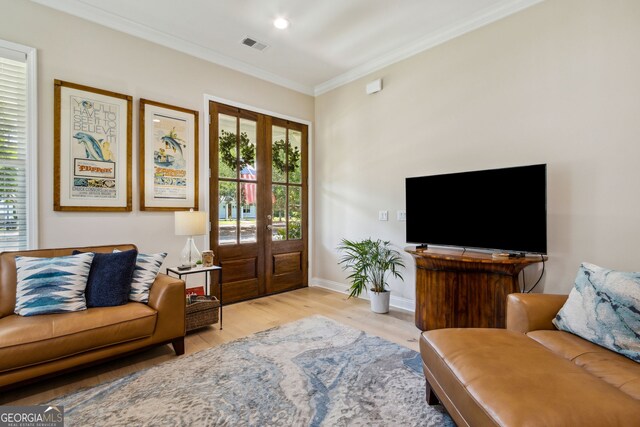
204, 159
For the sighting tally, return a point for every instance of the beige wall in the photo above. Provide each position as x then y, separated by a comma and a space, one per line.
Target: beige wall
557, 83
79, 51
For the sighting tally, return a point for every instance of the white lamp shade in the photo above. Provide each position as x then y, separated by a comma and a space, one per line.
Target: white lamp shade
191, 223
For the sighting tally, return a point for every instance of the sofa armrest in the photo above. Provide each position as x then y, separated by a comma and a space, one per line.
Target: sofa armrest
532, 312
167, 296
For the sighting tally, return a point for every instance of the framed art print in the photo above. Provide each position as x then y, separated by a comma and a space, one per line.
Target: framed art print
168, 157
92, 149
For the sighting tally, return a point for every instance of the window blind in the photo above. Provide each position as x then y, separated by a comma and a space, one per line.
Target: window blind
14, 208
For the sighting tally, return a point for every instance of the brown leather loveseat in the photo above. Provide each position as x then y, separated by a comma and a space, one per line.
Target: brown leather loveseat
41, 345
530, 374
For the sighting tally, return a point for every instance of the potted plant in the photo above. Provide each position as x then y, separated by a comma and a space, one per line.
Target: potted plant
370, 262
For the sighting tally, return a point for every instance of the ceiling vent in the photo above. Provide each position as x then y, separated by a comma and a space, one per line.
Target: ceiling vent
254, 44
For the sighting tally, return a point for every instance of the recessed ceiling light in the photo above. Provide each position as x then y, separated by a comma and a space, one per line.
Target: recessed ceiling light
281, 23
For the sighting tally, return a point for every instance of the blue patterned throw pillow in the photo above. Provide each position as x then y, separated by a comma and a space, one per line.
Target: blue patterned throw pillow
145, 273
604, 308
51, 285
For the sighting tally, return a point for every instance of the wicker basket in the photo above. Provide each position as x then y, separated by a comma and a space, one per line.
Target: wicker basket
202, 312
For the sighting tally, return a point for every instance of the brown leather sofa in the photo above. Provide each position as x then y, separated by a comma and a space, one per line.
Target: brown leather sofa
529, 374
38, 346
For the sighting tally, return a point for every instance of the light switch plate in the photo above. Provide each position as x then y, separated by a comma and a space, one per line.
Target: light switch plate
402, 215
383, 215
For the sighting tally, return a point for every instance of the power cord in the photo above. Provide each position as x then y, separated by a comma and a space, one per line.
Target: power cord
539, 278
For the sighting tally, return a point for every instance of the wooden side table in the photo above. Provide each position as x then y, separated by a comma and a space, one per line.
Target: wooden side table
206, 271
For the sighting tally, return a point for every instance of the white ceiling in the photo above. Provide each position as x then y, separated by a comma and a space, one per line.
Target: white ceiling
329, 42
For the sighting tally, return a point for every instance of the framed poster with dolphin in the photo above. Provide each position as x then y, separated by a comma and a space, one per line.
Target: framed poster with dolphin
92, 149
168, 157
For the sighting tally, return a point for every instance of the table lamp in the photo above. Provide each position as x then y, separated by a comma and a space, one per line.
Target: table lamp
190, 224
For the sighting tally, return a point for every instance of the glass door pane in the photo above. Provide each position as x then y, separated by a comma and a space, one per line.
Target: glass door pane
227, 150
237, 175
278, 215
294, 160
248, 178
294, 217
227, 208
279, 154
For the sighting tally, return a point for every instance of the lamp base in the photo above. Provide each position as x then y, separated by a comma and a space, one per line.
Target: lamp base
189, 254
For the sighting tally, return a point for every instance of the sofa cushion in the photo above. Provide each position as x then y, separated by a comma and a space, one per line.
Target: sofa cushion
26, 341
603, 308
109, 282
613, 368
500, 377
51, 285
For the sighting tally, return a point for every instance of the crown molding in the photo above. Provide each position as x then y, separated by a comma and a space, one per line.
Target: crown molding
122, 24
443, 35
119, 23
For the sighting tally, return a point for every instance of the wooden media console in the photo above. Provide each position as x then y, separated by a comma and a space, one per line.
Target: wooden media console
456, 290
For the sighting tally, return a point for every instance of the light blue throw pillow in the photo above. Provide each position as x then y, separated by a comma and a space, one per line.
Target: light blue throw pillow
145, 273
604, 308
51, 285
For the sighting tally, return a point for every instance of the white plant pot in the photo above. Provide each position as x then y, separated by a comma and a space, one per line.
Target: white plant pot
379, 301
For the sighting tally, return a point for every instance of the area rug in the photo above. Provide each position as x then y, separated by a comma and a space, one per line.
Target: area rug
312, 372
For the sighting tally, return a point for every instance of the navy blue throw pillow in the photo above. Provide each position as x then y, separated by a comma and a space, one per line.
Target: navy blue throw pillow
110, 278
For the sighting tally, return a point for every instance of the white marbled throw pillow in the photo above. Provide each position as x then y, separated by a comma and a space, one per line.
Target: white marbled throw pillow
145, 273
604, 308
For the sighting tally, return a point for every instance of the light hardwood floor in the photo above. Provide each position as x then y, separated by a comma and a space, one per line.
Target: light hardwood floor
240, 320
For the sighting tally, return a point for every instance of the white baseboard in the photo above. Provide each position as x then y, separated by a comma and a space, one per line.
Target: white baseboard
395, 301
403, 303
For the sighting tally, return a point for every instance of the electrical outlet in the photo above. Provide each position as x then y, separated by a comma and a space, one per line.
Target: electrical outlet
383, 215
402, 215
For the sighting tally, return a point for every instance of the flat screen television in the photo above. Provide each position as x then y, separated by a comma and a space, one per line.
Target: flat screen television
497, 209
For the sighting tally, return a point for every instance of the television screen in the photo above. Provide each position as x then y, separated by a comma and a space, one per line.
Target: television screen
499, 209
